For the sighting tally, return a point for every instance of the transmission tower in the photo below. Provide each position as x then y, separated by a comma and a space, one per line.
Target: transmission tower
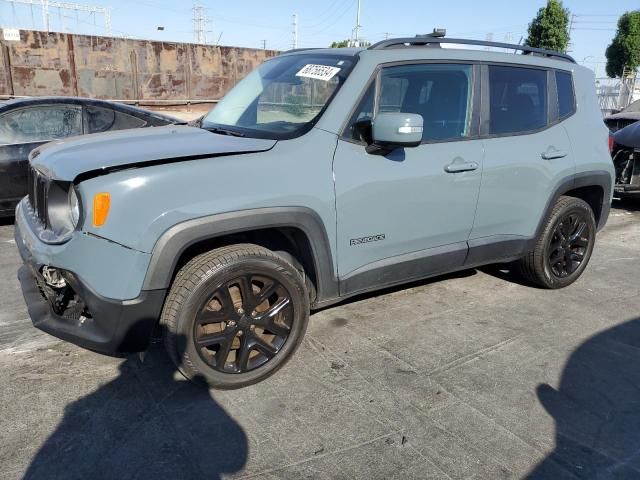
46, 5
199, 23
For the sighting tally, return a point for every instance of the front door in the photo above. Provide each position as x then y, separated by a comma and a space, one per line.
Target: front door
408, 214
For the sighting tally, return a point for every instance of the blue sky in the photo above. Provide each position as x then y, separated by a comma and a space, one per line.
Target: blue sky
249, 22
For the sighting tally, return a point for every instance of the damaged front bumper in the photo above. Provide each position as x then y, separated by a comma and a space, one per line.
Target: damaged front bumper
72, 310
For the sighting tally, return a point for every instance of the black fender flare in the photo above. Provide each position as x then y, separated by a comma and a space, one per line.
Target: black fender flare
598, 178
177, 239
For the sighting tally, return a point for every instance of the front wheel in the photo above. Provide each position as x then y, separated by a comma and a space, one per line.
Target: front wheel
235, 315
564, 248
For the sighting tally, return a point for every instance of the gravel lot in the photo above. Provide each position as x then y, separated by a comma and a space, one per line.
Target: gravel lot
468, 376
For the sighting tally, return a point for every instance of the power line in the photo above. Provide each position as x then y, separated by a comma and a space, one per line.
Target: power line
328, 13
341, 14
45, 5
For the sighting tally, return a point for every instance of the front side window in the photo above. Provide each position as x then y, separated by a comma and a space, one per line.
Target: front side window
283, 98
517, 99
441, 94
359, 127
566, 97
40, 124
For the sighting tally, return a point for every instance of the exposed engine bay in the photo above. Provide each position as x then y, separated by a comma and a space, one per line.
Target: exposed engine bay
627, 164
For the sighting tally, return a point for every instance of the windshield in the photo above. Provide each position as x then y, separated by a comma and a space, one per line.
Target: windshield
281, 99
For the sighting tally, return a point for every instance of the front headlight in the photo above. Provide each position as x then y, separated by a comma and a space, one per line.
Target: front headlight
64, 211
74, 207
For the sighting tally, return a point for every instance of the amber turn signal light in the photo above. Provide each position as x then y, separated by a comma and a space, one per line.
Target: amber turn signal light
101, 205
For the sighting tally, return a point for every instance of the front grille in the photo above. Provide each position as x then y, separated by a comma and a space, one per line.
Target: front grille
38, 193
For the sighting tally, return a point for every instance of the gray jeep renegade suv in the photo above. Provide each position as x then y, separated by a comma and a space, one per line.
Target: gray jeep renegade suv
321, 175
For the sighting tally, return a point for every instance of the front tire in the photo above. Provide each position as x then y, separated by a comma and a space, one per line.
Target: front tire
563, 250
234, 316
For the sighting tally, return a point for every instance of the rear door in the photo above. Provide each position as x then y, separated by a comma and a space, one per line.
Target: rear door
409, 213
21, 131
527, 152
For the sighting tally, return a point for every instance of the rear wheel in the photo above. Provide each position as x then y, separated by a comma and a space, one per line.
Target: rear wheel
564, 248
235, 315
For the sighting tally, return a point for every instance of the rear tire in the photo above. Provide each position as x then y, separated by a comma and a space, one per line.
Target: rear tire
563, 249
234, 316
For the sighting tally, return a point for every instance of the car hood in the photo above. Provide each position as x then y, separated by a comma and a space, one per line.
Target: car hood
628, 136
97, 154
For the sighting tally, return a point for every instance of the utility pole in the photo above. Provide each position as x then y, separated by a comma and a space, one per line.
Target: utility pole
45, 15
358, 26
571, 22
264, 44
294, 43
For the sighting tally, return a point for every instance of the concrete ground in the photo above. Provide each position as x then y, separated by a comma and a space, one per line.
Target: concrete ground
468, 376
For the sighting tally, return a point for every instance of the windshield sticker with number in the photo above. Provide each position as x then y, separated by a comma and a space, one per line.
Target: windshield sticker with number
319, 72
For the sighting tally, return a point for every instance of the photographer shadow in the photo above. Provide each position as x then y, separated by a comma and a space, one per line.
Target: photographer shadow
147, 423
596, 409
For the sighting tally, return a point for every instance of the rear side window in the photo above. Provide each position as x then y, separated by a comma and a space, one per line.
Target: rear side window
518, 99
104, 119
566, 97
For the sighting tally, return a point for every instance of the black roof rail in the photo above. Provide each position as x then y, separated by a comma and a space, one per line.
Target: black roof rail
430, 40
295, 50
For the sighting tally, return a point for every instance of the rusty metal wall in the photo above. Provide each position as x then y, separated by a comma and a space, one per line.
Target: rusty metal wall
121, 69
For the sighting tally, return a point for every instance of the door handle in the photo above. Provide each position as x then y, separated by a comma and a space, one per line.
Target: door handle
552, 153
457, 167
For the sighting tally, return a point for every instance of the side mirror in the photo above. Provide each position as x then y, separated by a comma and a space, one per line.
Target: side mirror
395, 130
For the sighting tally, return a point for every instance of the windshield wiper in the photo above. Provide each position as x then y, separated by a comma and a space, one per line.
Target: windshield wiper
224, 131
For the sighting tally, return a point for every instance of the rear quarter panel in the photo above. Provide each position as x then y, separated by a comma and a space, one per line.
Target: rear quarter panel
586, 130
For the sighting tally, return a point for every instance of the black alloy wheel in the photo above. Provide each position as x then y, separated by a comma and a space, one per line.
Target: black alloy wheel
235, 315
569, 244
244, 324
563, 247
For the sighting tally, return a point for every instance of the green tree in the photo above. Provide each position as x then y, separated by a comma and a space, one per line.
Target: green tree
342, 44
550, 28
345, 44
624, 50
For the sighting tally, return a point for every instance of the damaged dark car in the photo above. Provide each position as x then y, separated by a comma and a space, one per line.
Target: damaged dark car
627, 116
27, 123
625, 151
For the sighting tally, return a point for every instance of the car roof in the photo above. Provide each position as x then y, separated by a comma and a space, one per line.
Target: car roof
340, 52
449, 49
48, 100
